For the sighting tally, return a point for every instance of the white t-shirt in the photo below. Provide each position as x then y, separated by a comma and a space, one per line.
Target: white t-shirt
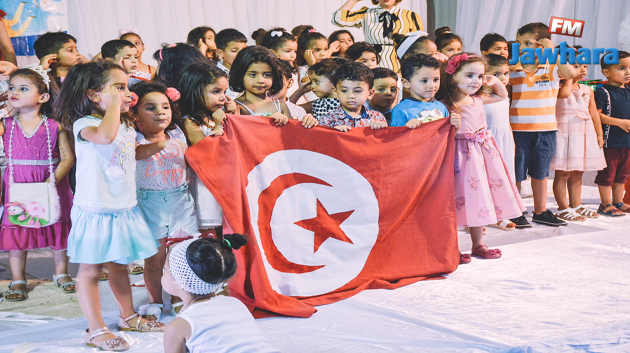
165, 170
223, 324
106, 174
296, 111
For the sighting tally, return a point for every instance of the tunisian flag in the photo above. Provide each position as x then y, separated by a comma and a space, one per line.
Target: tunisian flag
329, 214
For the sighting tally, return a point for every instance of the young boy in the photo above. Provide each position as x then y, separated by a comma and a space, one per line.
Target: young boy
353, 84
493, 43
122, 52
57, 51
421, 76
534, 89
613, 104
365, 53
229, 42
287, 70
385, 92
321, 76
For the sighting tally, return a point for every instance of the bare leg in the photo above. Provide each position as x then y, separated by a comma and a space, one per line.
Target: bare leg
61, 266
575, 189
17, 262
153, 274
560, 180
617, 192
476, 234
539, 187
604, 194
87, 293
119, 283
518, 186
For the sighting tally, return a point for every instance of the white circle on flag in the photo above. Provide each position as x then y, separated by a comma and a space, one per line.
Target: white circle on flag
341, 261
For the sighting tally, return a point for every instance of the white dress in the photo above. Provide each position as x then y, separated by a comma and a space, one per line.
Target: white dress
498, 118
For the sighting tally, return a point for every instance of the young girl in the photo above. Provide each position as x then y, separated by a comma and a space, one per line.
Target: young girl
202, 38
162, 186
107, 227
484, 191
284, 45
449, 44
145, 71
416, 43
255, 72
579, 146
35, 145
345, 39
172, 59
365, 53
312, 48
196, 270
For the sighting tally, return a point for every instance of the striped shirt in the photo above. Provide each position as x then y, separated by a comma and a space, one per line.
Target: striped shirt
369, 19
534, 96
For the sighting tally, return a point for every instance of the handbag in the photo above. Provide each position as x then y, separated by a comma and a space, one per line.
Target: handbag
32, 205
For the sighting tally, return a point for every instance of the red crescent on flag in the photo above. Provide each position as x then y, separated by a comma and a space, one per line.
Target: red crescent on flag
266, 203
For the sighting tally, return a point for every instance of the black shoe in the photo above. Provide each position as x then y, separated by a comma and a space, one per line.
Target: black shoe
521, 222
549, 219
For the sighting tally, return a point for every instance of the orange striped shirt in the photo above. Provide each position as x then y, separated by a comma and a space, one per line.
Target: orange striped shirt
534, 95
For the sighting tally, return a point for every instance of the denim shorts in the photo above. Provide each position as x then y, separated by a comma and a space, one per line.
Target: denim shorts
167, 211
533, 155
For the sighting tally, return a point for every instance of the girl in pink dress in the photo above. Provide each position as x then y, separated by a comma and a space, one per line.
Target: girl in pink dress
484, 191
26, 138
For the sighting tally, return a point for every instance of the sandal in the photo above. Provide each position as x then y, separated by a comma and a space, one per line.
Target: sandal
569, 214
134, 269
146, 326
104, 275
64, 286
176, 308
21, 292
464, 259
505, 224
612, 211
486, 253
117, 344
620, 207
151, 311
586, 212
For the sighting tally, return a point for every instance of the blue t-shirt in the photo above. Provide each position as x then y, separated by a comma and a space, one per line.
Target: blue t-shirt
411, 108
614, 136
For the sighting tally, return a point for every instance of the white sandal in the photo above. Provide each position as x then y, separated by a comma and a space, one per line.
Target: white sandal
175, 306
586, 212
503, 224
63, 286
152, 309
16, 291
117, 344
147, 326
569, 214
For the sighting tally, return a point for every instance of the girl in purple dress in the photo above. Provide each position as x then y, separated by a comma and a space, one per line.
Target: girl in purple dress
27, 136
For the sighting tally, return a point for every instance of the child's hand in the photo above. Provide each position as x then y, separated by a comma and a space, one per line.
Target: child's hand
48, 60
308, 121
546, 43
174, 145
218, 116
489, 80
310, 57
456, 120
7, 68
280, 118
230, 106
625, 125
203, 48
413, 123
377, 125
343, 128
218, 130
110, 97
333, 47
441, 57
600, 141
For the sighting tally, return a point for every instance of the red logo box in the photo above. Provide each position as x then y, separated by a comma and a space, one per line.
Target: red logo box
566, 26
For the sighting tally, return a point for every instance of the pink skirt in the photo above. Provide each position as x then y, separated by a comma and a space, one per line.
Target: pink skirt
576, 146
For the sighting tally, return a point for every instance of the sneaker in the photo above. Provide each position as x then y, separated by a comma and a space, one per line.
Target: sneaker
521, 222
549, 219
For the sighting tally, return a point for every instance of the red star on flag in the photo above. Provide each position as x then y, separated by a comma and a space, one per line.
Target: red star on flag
325, 226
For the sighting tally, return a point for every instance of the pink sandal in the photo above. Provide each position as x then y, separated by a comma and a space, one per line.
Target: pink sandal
487, 253
464, 259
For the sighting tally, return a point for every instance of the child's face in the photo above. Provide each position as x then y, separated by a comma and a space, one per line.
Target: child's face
321, 85
136, 40
208, 39
117, 79
288, 51
345, 41
129, 57
385, 93
619, 73
499, 48
230, 52
526, 40
452, 48
153, 113
424, 83
582, 71
428, 48
368, 59
24, 94
320, 49
68, 55
353, 94
258, 79
470, 78
502, 72
214, 94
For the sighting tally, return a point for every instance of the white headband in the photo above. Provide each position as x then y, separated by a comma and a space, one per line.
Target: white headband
41, 72
184, 275
411, 38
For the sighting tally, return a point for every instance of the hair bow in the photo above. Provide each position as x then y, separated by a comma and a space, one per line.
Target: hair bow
173, 94
134, 100
276, 33
172, 45
455, 61
124, 31
41, 72
312, 30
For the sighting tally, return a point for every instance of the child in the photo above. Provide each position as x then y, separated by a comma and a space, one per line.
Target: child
345, 39
613, 105
145, 72
421, 76
312, 48
365, 53
483, 189
493, 43
416, 43
255, 73
321, 76
353, 84
38, 150
107, 226
196, 270
162, 186
172, 59
287, 71
385, 92
284, 45
442, 30
57, 51
229, 43
124, 53
533, 119
580, 140
202, 37
449, 44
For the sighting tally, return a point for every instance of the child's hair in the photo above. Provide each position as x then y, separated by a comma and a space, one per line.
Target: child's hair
354, 71
73, 102
416, 46
495, 60
328, 67
122, 36
172, 59
286, 69
357, 49
622, 55
212, 260
51, 43
192, 83
111, 48
446, 39
198, 33
489, 39
538, 29
252, 55
304, 42
258, 34
143, 88
442, 30
228, 35
298, 30
375, 2
415, 62
335, 36
38, 82
275, 38
383, 72
448, 87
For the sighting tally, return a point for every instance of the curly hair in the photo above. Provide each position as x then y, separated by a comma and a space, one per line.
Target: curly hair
141, 89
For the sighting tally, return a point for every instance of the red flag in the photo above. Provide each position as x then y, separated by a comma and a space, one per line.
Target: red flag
329, 214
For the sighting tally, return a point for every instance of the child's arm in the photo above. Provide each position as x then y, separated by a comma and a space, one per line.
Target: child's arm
218, 116
592, 109
65, 154
308, 121
105, 133
566, 88
308, 106
193, 132
175, 335
282, 118
499, 90
621, 123
148, 150
304, 88
565, 71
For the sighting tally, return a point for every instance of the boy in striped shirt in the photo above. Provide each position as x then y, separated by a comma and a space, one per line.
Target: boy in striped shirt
534, 90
